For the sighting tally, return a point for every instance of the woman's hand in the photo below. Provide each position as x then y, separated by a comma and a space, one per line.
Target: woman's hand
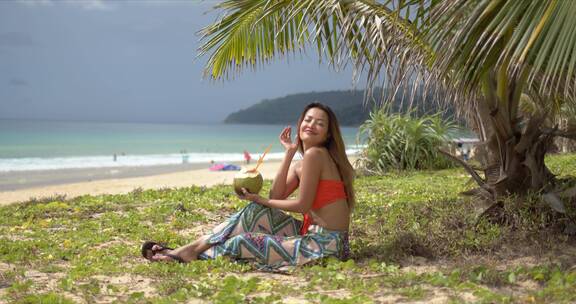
251, 196
286, 140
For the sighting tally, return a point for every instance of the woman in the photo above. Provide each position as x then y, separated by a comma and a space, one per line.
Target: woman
261, 231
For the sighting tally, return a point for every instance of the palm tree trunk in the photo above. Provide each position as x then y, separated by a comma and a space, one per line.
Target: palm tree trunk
515, 147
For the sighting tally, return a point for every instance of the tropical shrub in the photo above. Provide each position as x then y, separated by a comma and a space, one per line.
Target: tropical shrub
396, 141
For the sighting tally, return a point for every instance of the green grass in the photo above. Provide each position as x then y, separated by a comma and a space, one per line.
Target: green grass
413, 238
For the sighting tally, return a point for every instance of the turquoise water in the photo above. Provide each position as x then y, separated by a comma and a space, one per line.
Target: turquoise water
40, 145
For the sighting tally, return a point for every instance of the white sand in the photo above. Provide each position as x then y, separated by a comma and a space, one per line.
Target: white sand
198, 177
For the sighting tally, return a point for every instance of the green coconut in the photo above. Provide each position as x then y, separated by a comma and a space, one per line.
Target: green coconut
249, 179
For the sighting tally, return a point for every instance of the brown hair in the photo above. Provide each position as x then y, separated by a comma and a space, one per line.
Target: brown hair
335, 146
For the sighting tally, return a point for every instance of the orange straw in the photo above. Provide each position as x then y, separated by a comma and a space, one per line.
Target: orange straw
261, 159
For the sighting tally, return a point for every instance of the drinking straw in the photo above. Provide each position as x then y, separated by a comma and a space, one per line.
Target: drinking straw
261, 159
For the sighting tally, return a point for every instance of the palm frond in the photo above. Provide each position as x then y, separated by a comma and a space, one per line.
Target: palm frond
249, 35
531, 37
376, 39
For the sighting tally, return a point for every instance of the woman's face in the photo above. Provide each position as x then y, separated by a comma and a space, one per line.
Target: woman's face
313, 130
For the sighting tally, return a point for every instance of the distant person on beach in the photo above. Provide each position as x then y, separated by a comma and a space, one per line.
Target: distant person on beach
262, 231
466, 153
185, 156
247, 157
464, 150
114, 157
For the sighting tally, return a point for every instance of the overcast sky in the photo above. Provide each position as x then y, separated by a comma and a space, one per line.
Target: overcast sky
129, 60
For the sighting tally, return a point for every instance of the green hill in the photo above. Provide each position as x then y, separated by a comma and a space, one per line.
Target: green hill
347, 105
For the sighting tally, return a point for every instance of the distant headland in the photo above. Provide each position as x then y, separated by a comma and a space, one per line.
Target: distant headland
348, 106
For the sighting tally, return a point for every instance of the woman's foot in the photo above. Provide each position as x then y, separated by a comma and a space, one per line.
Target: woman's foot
155, 252
149, 249
167, 257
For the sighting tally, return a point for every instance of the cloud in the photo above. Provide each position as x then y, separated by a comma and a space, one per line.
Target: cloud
19, 39
36, 2
84, 4
17, 82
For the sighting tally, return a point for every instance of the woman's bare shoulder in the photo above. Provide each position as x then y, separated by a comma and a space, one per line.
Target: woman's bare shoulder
316, 152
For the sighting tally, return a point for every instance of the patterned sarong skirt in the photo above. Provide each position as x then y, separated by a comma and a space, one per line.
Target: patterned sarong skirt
270, 237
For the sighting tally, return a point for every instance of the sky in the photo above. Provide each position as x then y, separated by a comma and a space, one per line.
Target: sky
131, 61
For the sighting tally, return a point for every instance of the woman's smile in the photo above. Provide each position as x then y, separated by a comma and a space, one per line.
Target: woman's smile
309, 131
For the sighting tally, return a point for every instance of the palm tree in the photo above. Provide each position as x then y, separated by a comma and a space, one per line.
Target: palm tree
507, 66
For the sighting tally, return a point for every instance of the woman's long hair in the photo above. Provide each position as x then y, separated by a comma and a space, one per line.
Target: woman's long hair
335, 146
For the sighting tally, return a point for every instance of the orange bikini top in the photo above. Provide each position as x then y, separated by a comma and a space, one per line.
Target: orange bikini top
327, 192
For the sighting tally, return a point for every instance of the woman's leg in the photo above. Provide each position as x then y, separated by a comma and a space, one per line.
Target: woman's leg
277, 251
252, 218
258, 219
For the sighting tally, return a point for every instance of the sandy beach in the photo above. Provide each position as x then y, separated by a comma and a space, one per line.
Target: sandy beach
23, 186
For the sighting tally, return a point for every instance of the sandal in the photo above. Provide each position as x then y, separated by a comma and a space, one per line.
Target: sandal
148, 245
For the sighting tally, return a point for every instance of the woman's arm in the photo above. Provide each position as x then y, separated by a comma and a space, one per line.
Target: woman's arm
286, 180
311, 172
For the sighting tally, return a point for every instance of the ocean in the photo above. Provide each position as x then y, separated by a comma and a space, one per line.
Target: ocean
48, 145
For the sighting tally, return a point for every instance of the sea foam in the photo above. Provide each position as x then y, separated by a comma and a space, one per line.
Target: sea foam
80, 162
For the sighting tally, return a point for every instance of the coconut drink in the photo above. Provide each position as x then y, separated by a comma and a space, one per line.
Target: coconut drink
251, 180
